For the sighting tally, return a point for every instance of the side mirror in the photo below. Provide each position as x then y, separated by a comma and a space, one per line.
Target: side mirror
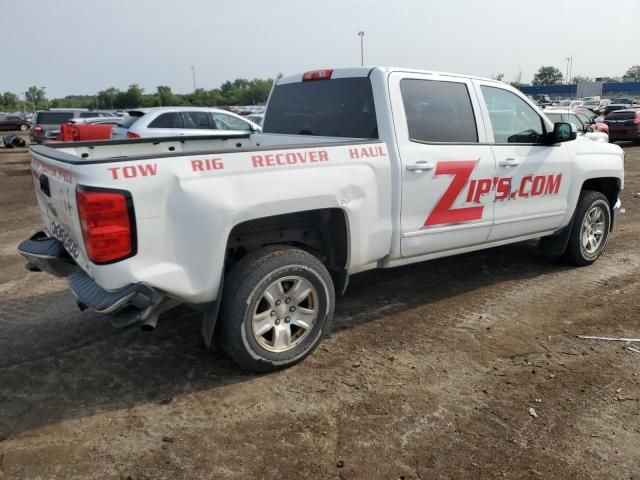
563, 132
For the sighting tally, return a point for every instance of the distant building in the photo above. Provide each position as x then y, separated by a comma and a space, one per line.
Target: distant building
597, 88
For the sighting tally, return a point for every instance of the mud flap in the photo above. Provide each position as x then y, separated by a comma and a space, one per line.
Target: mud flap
209, 320
555, 245
210, 313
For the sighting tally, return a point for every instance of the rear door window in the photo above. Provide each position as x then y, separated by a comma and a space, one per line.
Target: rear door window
341, 107
168, 120
197, 120
53, 118
438, 111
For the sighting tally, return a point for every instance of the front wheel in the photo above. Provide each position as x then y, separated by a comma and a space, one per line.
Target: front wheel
278, 303
590, 229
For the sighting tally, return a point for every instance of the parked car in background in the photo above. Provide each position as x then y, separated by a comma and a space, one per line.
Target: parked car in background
629, 102
114, 120
590, 118
592, 105
569, 103
624, 125
569, 116
612, 107
46, 123
181, 121
256, 118
543, 100
14, 122
603, 104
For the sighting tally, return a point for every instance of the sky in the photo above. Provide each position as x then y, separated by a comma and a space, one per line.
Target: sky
84, 46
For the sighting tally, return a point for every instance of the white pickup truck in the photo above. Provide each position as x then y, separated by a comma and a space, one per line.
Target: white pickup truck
356, 168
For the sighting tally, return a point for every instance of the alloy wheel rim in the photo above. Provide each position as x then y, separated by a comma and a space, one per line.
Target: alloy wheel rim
593, 230
285, 313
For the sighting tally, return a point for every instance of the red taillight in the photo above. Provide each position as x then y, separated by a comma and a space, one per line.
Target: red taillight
38, 129
637, 119
317, 75
108, 225
132, 135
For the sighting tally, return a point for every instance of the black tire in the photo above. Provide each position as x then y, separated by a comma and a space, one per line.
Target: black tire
244, 288
24, 127
577, 253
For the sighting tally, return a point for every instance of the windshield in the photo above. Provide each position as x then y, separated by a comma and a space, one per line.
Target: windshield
332, 108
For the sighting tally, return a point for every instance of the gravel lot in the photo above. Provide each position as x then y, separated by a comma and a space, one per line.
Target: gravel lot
430, 373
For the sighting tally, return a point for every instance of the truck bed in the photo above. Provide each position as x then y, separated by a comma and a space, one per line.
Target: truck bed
139, 149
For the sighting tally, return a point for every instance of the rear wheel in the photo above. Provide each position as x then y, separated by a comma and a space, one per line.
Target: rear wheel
590, 229
24, 127
278, 303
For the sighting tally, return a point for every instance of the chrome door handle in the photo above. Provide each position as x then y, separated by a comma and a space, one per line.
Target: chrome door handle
510, 162
420, 166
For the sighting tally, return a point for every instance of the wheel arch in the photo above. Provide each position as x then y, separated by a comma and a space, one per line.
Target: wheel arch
610, 187
323, 232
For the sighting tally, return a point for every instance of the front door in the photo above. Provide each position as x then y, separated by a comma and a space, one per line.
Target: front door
532, 177
446, 170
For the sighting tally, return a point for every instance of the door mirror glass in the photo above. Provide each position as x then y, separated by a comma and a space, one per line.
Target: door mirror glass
564, 132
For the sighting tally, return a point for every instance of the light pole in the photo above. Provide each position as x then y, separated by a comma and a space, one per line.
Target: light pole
193, 75
361, 35
569, 60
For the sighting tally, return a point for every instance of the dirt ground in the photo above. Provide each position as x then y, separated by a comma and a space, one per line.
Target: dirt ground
430, 373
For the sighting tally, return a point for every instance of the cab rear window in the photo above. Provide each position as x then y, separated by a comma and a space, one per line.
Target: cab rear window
341, 107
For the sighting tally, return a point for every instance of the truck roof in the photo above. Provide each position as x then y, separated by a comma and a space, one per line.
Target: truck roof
350, 72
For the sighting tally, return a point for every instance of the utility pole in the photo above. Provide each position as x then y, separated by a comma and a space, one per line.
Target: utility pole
361, 35
193, 75
570, 68
568, 59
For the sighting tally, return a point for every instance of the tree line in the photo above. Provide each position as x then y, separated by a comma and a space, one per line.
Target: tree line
236, 92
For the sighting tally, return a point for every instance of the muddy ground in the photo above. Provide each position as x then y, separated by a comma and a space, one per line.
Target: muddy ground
430, 374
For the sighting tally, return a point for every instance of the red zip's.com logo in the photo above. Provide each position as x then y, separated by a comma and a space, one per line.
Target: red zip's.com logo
529, 186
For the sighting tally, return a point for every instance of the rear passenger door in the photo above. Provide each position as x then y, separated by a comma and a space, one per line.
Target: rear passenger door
446, 165
532, 177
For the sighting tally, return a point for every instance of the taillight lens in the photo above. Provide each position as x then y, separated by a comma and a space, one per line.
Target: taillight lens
132, 135
108, 224
637, 119
38, 129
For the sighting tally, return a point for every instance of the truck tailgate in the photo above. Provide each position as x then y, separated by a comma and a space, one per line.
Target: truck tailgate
55, 188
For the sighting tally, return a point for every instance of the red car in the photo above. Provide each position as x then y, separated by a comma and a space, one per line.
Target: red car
589, 118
